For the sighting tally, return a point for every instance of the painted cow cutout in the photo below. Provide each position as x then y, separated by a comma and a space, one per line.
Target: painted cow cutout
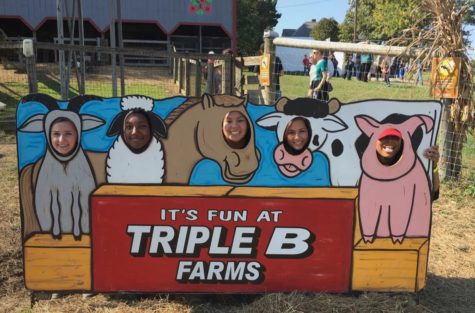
64, 182
394, 201
322, 121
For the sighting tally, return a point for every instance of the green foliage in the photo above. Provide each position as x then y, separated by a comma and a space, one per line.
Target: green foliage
364, 19
325, 28
253, 18
391, 17
469, 17
386, 19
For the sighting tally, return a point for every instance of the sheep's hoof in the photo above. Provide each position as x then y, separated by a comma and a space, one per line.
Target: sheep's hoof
77, 237
57, 237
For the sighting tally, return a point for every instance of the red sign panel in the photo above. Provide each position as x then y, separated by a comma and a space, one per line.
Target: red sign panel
199, 244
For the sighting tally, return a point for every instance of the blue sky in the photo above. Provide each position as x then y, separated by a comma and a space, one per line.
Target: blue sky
296, 12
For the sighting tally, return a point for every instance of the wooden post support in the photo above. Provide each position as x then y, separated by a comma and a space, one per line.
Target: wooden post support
187, 76
30, 64
198, 78
226, 75
269, 91
180, 75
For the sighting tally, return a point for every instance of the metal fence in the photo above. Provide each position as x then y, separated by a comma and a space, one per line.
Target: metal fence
159, 74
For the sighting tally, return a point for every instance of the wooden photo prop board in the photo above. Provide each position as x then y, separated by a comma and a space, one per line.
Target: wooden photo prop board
189, 213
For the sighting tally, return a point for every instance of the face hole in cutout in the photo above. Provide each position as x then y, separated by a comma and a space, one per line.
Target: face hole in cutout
63, 136
136, 131
297, 135
236, 130
389, 150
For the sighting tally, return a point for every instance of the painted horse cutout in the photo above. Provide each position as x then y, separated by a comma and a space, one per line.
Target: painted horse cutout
195, 133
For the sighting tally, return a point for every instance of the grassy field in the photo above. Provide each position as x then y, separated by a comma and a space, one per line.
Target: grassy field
450, 285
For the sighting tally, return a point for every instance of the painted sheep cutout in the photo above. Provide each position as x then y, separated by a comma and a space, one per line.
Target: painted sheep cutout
322, 121
195, 133
64, 182
144, 165
394, 201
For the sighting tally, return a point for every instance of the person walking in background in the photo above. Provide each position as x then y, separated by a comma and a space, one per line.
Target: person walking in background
366, 61
334, 62
402, 71
306, 65
358, 67
386, 72
349, 66
419, 73
318, 76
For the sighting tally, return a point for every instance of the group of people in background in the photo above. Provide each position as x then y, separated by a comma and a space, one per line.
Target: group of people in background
359, 66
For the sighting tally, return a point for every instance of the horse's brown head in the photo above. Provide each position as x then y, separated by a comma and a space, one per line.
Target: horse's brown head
237, 165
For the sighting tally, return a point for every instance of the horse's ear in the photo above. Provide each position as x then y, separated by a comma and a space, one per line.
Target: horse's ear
117, 124
207, 101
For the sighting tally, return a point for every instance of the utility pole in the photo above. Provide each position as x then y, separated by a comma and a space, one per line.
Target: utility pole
355, 26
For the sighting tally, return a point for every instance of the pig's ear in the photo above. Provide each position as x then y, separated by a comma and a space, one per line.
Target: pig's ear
415, 121
367, 124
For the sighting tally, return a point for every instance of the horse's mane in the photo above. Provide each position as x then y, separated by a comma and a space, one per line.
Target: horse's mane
173, 116
219, 100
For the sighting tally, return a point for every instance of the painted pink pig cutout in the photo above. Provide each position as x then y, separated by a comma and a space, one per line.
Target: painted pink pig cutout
292, 165
394, 201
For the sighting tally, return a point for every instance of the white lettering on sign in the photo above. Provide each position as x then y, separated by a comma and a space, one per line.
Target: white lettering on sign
266, 216
137, 231
217, 271
290, 242
227, 215
173, 213
189, 240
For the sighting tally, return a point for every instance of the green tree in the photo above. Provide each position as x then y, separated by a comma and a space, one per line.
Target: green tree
253, 18
386, 19
388, 24
365, 24
325, 28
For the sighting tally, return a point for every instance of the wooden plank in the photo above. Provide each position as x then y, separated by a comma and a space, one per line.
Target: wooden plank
299, 193
54, 265
384, 266
165, 191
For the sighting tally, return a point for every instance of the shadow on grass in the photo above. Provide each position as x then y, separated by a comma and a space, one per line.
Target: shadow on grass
52, 83
448, 294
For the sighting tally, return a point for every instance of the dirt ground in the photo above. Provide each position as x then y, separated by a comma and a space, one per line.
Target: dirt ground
450, 286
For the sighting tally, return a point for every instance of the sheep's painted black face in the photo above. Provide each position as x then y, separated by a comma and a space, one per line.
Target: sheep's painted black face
136, 132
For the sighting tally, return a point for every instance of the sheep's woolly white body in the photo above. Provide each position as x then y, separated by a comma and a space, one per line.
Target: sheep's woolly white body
125, 166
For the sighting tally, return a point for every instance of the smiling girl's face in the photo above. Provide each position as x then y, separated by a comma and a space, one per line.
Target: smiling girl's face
64, 137
136, 131
235, 127
297, 135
